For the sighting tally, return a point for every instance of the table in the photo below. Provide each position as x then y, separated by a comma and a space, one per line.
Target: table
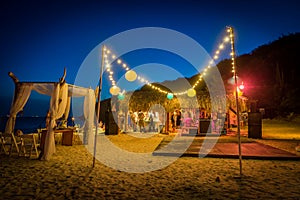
67, 136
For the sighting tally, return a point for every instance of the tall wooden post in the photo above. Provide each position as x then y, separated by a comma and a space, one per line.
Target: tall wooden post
231, 32
99, 102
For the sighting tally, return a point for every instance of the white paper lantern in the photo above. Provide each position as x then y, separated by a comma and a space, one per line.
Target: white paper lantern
130, 75
114, 90
191, 92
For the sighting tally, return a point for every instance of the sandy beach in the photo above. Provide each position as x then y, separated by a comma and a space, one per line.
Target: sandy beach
69, 175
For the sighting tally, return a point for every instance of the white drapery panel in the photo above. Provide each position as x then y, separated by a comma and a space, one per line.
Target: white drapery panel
44, 88
67, 110
88, 108
89, 114
58, 103
22, 93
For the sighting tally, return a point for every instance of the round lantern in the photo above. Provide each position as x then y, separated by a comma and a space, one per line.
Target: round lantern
114, 90
130, 75
170, 96
121, 96
191, 92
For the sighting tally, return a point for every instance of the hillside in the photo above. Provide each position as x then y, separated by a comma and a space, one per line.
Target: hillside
270, 75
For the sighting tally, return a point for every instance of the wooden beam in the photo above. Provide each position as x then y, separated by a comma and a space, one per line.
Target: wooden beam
13, 77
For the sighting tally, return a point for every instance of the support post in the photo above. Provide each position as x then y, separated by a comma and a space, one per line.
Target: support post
231, 32
98, 104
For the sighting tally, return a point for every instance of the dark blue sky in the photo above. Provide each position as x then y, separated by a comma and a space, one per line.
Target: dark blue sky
39, 38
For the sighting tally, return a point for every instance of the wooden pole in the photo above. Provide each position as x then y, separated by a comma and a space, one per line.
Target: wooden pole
236, 98
98, 104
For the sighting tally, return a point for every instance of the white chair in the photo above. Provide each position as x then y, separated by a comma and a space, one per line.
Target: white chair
29, 143
9, 140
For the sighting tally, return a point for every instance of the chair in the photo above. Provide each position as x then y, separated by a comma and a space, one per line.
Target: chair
2, 144
9, 140
29, 143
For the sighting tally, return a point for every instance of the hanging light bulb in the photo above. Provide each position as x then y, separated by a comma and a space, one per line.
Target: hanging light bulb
114, 90
130, 75
242, 86
191, 92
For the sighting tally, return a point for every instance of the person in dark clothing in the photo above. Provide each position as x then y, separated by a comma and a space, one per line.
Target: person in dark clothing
178, 121
141, 123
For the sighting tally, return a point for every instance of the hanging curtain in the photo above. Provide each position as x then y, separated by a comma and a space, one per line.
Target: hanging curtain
67, 110
89, 115
22, 93
44, 88
58, 105
88, 109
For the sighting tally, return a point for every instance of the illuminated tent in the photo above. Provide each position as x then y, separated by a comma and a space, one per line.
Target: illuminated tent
61, 94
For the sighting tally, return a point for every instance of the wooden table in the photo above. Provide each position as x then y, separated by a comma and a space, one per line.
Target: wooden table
67, 136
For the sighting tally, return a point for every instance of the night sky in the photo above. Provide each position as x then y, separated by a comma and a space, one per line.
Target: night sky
39, 38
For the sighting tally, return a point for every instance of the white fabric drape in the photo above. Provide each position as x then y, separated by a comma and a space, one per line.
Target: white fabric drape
89, 115
22, 94
88, 109
58, 105
44, 88
67, 110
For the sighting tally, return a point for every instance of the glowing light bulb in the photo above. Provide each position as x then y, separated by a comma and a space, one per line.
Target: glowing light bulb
242, 86
226, 39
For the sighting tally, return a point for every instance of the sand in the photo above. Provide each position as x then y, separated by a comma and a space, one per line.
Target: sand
69, 175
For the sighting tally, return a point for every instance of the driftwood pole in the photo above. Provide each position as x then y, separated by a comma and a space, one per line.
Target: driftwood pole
98, 104
231, 32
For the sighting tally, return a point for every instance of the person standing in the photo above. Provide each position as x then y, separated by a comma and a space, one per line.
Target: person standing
141, 123
214, 121
134, 118
178, 120
151, 122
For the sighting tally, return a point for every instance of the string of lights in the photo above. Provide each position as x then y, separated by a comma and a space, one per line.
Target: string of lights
131, 75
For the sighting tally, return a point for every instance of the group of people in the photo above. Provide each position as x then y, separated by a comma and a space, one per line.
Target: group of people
177, 120
138, 119
148, 121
